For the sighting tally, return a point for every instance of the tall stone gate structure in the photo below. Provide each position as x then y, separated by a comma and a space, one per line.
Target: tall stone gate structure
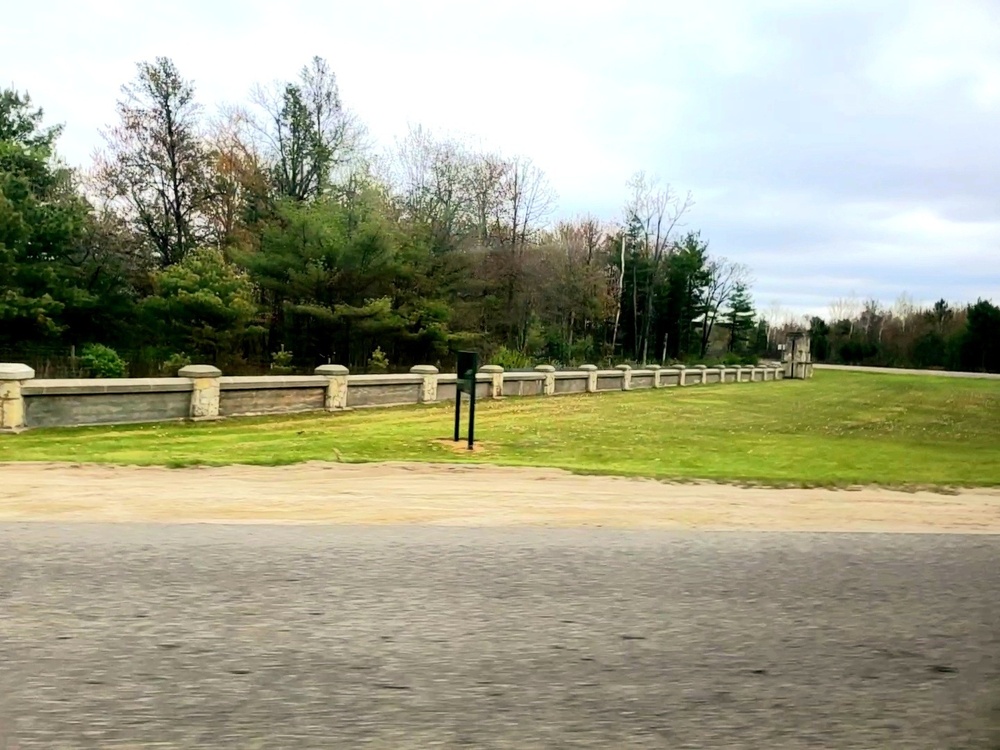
797, 357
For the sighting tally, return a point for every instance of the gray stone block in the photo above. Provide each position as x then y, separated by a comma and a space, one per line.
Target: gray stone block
15, 371
199, 371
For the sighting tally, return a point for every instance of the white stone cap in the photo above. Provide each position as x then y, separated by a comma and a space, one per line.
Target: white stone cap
491, 369
544, 368
424, 370
14, 371
623, 367
331, 370
588, 368
199, 371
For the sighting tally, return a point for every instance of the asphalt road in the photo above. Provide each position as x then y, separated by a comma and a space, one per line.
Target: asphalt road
119, 636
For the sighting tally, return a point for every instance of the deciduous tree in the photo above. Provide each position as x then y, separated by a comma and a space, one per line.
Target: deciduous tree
156, 166
305, 130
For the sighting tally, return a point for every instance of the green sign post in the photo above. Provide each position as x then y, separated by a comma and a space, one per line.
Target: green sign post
468, 366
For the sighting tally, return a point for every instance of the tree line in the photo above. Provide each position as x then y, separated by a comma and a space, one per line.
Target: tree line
273, 235
942, 336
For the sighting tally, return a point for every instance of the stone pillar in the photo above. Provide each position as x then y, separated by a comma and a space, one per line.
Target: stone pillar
496, 379
797, 357
550, 379
626, 376
722, 374
336, 386
205, 394
682, 376
656, 375
702, 370
429, 388
12, 377
591, 371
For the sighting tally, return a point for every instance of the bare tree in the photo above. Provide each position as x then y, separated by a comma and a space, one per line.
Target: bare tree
903, 309
873, 319
577, 261
239, 179
618, 287
845, 308
656, 212
777, 317
156, 167
485, 189
724, 278
433, 184
526, 201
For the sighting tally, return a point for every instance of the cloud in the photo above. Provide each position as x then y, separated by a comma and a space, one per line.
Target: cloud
835, 146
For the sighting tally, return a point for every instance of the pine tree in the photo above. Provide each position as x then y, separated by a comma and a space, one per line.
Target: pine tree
42, 225
739, 319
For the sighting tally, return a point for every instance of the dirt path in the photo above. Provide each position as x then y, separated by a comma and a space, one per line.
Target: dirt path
465, 496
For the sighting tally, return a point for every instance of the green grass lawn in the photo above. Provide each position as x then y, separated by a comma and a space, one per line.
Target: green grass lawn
840, 428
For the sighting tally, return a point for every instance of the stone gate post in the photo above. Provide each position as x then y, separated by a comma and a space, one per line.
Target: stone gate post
496, 379
206, 391
429, 386
549, 371
12, 377
336, 386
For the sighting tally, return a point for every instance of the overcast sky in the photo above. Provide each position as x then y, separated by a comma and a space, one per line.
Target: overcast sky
837, 147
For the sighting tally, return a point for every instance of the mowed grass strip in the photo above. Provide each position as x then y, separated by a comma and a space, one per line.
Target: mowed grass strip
840, 428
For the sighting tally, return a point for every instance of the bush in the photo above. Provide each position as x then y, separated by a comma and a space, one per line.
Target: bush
175, 362
510, 359
378, 362
281, 361
103, 362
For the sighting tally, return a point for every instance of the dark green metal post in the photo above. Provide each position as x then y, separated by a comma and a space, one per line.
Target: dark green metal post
472, 410
468, 366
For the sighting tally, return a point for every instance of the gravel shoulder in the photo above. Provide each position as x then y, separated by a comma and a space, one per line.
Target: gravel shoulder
448, 495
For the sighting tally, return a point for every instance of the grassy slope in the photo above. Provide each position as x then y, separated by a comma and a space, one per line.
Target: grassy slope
839, 428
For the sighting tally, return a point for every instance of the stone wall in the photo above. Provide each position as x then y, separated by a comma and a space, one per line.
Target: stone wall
240, 397
201, 392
